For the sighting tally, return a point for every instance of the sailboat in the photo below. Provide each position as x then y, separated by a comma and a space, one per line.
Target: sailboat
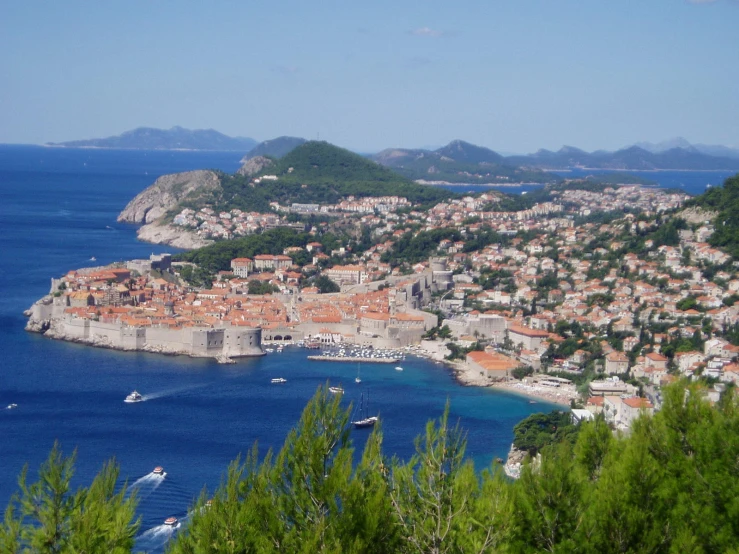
365, 419
357, 379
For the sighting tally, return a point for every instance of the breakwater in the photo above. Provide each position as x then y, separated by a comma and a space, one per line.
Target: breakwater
321, 358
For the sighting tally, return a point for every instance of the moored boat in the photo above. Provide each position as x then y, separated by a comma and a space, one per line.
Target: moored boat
365, 420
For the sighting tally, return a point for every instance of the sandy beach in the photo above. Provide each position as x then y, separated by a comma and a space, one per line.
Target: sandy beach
470, 377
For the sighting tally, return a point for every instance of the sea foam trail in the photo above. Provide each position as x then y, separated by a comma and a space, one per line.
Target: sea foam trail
146, 485
169, 392
156, 536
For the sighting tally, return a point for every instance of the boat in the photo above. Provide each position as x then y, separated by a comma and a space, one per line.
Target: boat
365, 420
159, 470
171, 521
336, 390
134, 397
93, 259
279, 349
279, 380
12, 406
357, 378
398, 368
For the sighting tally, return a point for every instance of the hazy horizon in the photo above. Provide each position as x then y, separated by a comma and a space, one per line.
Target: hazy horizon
513, 77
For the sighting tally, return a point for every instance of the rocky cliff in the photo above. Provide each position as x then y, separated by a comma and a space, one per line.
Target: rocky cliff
168, 191
252, 166
178, 237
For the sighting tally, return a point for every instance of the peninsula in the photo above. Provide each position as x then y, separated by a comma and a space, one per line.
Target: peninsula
139, 306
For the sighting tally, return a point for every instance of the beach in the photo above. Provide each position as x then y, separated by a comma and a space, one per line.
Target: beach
471, 377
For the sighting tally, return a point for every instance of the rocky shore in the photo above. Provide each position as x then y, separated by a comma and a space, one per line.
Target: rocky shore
157, 233
514, 462
150, 207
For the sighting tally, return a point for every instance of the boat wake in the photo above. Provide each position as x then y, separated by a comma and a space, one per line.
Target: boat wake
146, 485
169, 392
156, 537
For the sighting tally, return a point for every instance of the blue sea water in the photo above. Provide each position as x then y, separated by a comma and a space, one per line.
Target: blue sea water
691, 182
57, 210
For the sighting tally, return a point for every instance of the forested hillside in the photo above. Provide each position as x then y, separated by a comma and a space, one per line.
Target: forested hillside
725, 201
316, 172
669, 487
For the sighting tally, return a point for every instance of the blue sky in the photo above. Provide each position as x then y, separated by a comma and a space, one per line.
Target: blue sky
512, 75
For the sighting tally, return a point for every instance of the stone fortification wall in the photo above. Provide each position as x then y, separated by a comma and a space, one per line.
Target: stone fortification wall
47, 316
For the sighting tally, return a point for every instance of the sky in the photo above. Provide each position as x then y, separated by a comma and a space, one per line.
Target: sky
511, 75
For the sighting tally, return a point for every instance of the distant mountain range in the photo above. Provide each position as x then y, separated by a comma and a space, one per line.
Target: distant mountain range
632, 158
462, 162
457, 162
176, 138
679, 142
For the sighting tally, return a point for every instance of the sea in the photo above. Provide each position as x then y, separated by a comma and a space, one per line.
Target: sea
691, 182
58, 210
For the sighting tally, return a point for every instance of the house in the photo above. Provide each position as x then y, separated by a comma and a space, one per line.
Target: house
633, 407
241, 267
491, 364
617, 362
655, 360
530, 339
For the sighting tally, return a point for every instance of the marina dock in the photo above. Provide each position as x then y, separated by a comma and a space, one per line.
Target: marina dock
360, 359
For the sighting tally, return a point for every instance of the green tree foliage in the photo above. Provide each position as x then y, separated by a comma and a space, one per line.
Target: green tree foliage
540, 430
261, 287
412, 248
725, 201
218, 256
49, 517
325, 285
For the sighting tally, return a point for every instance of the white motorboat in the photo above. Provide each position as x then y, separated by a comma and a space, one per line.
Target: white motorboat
159, 470
398, 368
12, 406
134, 397
279, 380
357, 379
171, 521
336, 390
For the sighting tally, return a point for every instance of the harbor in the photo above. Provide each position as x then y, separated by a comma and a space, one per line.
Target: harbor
359, 359
359, 355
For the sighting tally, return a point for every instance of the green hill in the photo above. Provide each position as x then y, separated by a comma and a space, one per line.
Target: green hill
321, 172
725, 201
313, 173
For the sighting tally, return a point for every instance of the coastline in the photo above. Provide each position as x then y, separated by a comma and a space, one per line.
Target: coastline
468, 377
